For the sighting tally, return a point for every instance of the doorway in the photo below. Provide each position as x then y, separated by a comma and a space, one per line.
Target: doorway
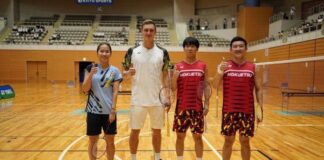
36, 70
80, 70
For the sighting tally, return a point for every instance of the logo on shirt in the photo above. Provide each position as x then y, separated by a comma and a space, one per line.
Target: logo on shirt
191, 74
138, 52
236, 74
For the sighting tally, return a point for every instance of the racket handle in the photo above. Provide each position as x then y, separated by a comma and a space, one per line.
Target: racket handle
205, 124
168, 126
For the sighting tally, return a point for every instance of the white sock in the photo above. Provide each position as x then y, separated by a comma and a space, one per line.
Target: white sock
198, 158
179, 157
157, 156
133, 156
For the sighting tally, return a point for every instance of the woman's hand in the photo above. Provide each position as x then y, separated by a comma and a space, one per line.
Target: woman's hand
112, 116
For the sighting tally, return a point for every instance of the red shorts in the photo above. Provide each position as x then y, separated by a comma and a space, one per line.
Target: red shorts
233, 121
189, 118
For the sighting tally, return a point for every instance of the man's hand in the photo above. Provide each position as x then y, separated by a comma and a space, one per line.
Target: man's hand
222, 67
176, 74
205, 111
259, 114
167, 108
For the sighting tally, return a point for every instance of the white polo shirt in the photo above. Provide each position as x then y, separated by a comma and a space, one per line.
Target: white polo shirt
147, 81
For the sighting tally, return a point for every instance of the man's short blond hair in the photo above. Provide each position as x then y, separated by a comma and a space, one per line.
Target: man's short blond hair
148, 21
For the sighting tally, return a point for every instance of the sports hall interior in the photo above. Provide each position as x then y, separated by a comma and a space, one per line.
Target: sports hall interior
46, 45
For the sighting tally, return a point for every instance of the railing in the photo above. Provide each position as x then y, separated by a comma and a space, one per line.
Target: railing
316, 9
278, 16
287, 34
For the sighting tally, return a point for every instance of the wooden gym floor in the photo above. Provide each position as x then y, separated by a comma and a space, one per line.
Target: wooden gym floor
46, 121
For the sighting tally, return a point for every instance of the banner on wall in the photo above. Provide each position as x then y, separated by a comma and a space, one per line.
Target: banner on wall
6, 92
95, 2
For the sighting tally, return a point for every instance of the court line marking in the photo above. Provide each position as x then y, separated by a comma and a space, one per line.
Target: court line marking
211, 147
279, 125
127, 137
69, 147
77, 140
264, 154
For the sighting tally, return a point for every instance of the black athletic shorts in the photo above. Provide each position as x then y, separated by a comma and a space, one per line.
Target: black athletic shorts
96, 122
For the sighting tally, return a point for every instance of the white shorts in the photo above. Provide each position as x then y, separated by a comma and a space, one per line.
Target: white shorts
138, 116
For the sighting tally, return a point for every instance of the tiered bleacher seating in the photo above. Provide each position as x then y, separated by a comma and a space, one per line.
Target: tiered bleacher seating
114, 37
74, 29
41, 21
115, 21
209, 40
78, 20
162, 37
159, 22
26, 35
112, 29
68, 37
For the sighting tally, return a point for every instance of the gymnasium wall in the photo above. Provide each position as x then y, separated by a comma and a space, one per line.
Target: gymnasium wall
200, 4
145, 8
61, 64
216, 11
252, 20
319, 71
300, 76
183, 10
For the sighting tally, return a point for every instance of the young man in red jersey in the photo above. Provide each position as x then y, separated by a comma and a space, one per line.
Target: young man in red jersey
239, 82
190, 111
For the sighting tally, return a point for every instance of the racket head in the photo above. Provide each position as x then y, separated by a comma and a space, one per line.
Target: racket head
99, 148
166, 96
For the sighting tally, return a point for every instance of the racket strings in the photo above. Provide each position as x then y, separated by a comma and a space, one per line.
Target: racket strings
99, 149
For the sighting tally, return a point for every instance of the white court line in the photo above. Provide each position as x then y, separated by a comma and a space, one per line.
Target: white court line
124, 138
69, 147
212, 147
279, 125
77, 140
292, 125
127, 137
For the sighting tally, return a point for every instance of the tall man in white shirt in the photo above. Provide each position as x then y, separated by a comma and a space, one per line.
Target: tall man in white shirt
147, 63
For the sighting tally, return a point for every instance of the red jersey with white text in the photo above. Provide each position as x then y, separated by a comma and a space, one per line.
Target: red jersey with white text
191, 77
238, 86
